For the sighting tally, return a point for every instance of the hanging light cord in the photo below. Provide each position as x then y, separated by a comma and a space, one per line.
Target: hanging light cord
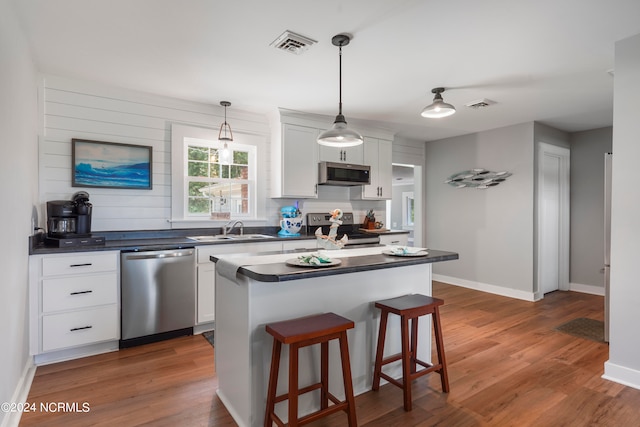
340, 80
225, 121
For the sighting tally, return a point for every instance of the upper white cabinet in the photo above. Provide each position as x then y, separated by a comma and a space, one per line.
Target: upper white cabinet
342, 155
295, 154
295, 162
377, 154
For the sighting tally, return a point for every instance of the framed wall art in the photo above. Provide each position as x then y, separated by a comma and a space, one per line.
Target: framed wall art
110, 165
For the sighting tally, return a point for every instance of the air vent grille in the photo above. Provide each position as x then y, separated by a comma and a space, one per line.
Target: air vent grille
292, 42
480, 103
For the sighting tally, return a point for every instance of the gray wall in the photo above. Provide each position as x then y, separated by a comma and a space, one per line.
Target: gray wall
624, 347
491, 229
18, 186
587, 207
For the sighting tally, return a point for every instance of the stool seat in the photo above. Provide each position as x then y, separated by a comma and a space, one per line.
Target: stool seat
309, 327
409, 308
410, 304
302, 332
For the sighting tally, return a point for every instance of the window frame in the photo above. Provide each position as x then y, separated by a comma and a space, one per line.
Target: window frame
181, 137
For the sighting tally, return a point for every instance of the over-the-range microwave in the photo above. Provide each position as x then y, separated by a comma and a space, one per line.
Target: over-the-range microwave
331, 173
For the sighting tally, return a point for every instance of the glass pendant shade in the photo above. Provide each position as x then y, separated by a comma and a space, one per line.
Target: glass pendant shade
438, 108
225, 135
339, 135
225, 155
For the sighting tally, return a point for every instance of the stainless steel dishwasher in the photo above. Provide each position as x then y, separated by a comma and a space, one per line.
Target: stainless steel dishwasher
158, 295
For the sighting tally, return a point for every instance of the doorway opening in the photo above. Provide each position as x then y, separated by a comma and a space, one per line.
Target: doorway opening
553, 219
404, 210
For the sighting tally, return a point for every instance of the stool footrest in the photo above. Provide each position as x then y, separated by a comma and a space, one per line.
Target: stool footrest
304, 390
338, 406
322, 413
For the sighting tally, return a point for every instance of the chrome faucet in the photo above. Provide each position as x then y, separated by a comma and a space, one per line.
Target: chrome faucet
228, 227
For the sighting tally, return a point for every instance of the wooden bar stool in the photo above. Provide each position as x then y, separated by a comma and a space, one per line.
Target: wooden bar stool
409, 307
302, 332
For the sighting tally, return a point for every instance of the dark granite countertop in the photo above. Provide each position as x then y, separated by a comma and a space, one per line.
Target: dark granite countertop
151, 240
281, 272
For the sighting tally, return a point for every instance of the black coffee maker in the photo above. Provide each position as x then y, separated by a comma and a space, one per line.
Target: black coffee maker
69, 218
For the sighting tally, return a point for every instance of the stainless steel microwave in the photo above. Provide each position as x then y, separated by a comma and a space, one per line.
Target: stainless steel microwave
331, 173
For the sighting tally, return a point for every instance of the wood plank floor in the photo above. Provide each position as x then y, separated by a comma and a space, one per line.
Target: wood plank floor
507, 367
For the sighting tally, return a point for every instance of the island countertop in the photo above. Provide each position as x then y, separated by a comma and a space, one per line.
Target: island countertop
255, 289
352, 260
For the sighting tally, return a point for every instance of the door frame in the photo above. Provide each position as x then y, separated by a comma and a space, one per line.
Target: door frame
563, 154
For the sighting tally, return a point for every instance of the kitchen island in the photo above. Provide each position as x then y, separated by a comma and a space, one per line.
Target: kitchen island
255, 289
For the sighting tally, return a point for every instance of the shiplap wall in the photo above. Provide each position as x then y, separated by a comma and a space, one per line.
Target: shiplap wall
76, 109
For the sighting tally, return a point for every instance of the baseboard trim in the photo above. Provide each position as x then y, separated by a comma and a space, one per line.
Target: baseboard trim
12, 419
586, 289
485, 287
621, 375
75, 353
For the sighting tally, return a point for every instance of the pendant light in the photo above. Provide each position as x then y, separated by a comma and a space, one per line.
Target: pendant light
339, 135
225, 135
438, 108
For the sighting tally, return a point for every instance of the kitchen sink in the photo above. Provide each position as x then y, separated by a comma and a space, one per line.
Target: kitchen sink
249, 236
209, 238
218, 237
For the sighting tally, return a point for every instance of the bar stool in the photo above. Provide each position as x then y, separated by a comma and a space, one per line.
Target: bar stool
409, 307
302, 332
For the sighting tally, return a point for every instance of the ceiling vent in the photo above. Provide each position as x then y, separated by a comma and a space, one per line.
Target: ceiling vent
292, 42
481, 103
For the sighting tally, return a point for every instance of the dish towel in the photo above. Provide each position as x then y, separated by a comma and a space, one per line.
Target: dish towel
228, 265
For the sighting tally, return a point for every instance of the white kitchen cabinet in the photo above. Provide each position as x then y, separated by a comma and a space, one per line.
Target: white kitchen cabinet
354, 155
206, 273
295, 162
377, 154
306, 244
74, 304
400, 239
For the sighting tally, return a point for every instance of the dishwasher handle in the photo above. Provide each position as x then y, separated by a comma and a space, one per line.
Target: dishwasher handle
159, 255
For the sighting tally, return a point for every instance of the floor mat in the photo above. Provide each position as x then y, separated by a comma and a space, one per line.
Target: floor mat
583, 327
208, 336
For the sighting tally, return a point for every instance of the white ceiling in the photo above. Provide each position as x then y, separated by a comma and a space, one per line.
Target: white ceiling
543, 60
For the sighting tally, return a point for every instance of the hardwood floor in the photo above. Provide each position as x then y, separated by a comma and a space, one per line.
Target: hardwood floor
507, 367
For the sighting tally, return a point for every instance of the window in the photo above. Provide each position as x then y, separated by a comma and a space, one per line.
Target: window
407, 208
205, 187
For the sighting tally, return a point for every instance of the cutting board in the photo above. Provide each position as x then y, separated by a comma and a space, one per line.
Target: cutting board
375, 230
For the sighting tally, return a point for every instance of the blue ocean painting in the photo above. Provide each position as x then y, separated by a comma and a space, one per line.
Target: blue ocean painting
112, 165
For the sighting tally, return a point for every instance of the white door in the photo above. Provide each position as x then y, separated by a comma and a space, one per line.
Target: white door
553, 218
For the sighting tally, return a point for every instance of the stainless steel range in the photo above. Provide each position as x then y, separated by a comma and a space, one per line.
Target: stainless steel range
356, 237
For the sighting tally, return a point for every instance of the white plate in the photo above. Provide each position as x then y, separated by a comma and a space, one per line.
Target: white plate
295, 262
410, 254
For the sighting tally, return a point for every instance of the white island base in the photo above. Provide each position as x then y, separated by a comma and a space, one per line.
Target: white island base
243, 348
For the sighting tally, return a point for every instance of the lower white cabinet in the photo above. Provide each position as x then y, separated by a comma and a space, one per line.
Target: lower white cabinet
400, 239
74, 300
206, 273
292, 245
75, 328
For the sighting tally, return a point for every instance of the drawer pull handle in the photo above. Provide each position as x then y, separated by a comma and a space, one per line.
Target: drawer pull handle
81, 328
80, 292
81, 265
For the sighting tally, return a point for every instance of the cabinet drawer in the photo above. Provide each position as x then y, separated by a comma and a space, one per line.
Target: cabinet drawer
81, 264
300, 244
80, 327
204, 252
73, 292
